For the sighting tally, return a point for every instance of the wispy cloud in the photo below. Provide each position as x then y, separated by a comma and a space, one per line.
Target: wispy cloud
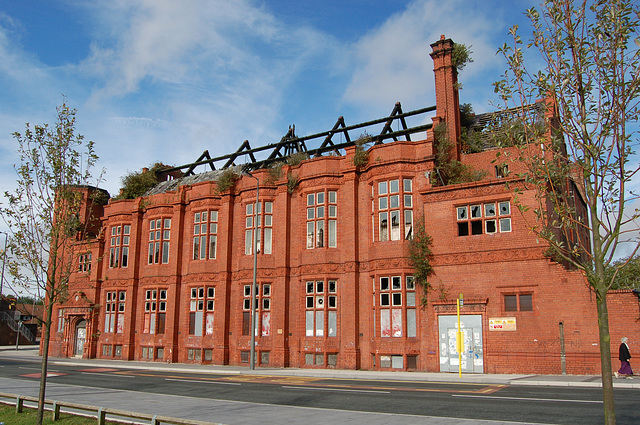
393, 62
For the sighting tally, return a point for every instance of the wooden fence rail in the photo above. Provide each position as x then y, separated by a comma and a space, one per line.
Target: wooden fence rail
99, 412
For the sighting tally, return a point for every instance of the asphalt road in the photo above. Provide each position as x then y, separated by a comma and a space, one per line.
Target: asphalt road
411, 401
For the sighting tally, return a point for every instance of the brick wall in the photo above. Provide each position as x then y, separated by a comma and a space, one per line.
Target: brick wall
371, 318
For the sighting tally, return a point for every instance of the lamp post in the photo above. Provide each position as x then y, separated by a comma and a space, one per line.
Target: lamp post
459, 342
252, 360
4, 259
18, 333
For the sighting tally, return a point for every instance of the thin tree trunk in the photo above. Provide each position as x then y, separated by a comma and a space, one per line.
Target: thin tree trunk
45, 361
605, 358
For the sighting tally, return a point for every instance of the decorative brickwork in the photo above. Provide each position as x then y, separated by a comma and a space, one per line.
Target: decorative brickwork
334, 278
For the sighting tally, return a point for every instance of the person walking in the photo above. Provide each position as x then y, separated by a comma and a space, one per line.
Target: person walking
624, 356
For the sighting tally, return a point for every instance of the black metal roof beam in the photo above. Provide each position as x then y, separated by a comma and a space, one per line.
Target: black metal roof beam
328, 142
244, 149
387, 126
204, 155
289, 142
319, 151
299, 141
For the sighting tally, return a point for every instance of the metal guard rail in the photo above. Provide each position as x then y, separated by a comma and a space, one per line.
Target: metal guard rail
16, 326
100, 412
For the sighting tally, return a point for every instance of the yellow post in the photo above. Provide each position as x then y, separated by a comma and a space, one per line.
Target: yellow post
459, 342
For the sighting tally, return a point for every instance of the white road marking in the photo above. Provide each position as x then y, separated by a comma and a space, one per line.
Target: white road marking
528, 399
202, 382
336, 389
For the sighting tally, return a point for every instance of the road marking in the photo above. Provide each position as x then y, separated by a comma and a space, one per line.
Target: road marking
37, 375
201, 381
335, 389
528, 399
104, 373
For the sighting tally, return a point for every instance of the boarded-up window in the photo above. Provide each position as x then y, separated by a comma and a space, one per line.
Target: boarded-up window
396, 322
385, 323
510, 303
526, 302
246, 323
411, 323
266, 323
209, 325
333, 323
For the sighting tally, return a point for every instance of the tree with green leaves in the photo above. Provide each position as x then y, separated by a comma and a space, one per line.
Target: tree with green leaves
625, 273
45, 216
590, 78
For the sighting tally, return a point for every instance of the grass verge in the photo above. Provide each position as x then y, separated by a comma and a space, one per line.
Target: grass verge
28, 416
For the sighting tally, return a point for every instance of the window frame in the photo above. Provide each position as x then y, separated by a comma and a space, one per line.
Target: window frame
264, 227
263, 307
159, 240
394, 299
119, 242
484, 218
321, 299
515, 304
114, 311
205, 235
321, 211
392, 209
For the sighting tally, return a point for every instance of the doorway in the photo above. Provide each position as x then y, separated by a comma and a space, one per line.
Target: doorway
472, 354
81, 337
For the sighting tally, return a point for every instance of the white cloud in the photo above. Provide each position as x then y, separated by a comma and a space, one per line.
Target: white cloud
210, 73
187, 42
393, 62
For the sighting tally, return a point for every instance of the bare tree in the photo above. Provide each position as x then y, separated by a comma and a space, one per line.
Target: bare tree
590, 78
44, 214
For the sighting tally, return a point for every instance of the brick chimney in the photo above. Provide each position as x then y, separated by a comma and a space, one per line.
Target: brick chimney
447, 100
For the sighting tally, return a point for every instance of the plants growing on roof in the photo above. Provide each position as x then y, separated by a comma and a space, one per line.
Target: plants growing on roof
361, 156
227, 180
137, 183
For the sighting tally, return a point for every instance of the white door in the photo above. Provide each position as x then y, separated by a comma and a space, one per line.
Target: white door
472, 357
81, 336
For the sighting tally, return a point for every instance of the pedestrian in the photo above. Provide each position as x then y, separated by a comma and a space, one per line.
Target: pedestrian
624, 356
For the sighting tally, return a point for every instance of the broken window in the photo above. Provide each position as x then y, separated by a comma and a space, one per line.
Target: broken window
396, 305
484, 218
201, 310
502, 171
159, 236
394, 210
84, 262
119, 246
262, 305
321, 302
322, 226
115, 305
205, 235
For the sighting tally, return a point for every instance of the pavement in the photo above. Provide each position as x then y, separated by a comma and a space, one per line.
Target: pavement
248, 413
31, 352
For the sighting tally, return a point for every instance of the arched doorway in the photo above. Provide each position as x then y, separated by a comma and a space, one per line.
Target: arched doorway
81, 337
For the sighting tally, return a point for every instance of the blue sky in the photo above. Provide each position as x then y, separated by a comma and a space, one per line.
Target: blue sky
163, 80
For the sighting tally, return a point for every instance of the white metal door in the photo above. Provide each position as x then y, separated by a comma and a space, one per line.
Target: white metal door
472, 354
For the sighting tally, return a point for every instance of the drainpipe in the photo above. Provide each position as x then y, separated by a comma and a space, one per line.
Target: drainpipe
563, 359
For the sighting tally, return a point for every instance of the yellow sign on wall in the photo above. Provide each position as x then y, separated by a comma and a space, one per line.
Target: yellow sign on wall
502, 324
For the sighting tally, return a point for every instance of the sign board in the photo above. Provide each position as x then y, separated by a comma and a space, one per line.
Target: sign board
502, 324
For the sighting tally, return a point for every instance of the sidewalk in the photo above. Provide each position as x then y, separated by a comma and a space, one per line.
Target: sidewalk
31, 352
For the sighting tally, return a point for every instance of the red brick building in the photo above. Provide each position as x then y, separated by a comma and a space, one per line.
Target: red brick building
168, 278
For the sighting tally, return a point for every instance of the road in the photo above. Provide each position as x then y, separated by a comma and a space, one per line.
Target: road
324, 399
